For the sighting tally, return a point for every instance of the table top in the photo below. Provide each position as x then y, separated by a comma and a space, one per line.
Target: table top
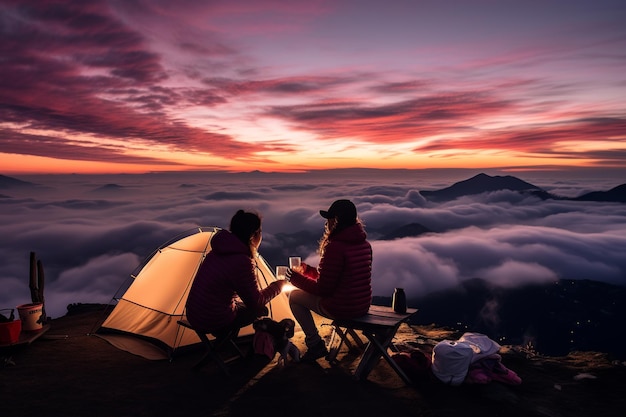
378, 316
388, 311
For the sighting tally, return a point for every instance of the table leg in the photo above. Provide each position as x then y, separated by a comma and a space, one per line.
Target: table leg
377, 347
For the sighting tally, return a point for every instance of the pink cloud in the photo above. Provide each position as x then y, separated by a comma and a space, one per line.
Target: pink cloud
47, 80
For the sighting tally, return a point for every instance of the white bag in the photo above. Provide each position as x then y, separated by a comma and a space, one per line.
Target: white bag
481, 344
451, 360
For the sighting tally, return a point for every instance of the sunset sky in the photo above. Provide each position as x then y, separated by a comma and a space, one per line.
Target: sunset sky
136, 86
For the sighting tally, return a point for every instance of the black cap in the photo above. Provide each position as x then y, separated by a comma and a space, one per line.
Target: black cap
343, 210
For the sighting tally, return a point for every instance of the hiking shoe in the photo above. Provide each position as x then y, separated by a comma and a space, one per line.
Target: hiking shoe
315, 352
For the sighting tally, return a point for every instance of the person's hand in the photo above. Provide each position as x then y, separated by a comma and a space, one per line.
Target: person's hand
300, 268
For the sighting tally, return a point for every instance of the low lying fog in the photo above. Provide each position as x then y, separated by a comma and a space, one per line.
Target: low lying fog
91, 232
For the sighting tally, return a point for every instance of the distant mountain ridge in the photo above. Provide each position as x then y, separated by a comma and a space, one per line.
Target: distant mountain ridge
9, 182
483, 183
408, 230
108, 188
617, 194
478, 184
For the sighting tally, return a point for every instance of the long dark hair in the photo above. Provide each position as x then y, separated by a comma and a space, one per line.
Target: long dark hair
336, 227
244, 225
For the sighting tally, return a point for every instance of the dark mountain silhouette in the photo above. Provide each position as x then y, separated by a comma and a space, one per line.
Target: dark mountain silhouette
9, 182
109, 188
408, 230
554, 318
617, 195
482, 183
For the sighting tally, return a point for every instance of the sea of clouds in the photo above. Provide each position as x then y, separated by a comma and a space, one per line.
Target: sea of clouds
91, 232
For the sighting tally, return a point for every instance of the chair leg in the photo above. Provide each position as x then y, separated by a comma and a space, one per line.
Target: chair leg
229, 338
337, 339
213, 347
210, 354
342, 336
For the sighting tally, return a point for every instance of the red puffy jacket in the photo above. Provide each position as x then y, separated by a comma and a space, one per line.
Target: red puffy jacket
344, 276
227, 271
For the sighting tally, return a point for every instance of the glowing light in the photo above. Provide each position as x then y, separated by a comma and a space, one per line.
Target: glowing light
287, 288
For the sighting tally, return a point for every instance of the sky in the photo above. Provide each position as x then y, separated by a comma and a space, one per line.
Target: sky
119, 86
91, 232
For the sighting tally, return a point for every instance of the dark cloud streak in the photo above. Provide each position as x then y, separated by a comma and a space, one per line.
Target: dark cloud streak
190, 79
45, 146
398, 122
60, 61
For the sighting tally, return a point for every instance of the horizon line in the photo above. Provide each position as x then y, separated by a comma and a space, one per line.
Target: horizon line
509, 169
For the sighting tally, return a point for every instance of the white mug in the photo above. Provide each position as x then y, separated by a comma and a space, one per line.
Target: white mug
294, 262
281, 272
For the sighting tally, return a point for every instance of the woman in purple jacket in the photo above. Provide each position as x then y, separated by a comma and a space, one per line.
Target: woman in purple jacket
341, 286
225, 294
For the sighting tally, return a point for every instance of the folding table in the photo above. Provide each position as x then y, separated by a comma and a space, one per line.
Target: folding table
379, 326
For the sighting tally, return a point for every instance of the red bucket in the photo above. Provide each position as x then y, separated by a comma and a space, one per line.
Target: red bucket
10, 332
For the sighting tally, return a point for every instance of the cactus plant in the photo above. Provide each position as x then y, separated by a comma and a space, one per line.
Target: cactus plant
36, 283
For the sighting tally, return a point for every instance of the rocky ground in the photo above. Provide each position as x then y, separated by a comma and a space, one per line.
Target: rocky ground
68, 372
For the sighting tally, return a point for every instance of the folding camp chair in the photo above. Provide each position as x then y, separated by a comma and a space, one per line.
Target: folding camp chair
212, 347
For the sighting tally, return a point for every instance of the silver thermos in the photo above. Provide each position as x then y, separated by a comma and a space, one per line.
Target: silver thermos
398, 302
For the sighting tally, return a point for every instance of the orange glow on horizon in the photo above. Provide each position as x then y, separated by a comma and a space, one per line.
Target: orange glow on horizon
22, 164
28, 164
233, 99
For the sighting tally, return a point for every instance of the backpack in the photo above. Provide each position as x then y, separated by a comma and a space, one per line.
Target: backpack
272, 336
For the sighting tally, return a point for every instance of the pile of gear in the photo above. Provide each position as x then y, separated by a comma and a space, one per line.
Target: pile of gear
472, 359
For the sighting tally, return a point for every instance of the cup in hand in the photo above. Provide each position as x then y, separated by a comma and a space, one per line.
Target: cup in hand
294, 262
281, 272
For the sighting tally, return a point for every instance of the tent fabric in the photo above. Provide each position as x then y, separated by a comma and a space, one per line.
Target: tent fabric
135, 346
155, 300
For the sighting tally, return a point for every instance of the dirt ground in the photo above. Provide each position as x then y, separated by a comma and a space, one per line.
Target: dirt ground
84, 375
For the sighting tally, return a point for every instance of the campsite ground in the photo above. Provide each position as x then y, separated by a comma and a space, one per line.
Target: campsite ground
83, 375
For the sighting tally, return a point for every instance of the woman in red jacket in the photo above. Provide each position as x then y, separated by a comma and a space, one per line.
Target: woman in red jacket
225, 294
341, 286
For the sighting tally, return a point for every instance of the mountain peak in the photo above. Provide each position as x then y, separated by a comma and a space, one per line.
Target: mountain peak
408, 230
616, 194
10, 182
478, 184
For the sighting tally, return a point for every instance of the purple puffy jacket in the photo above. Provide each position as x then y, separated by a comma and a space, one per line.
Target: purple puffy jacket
227, 271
